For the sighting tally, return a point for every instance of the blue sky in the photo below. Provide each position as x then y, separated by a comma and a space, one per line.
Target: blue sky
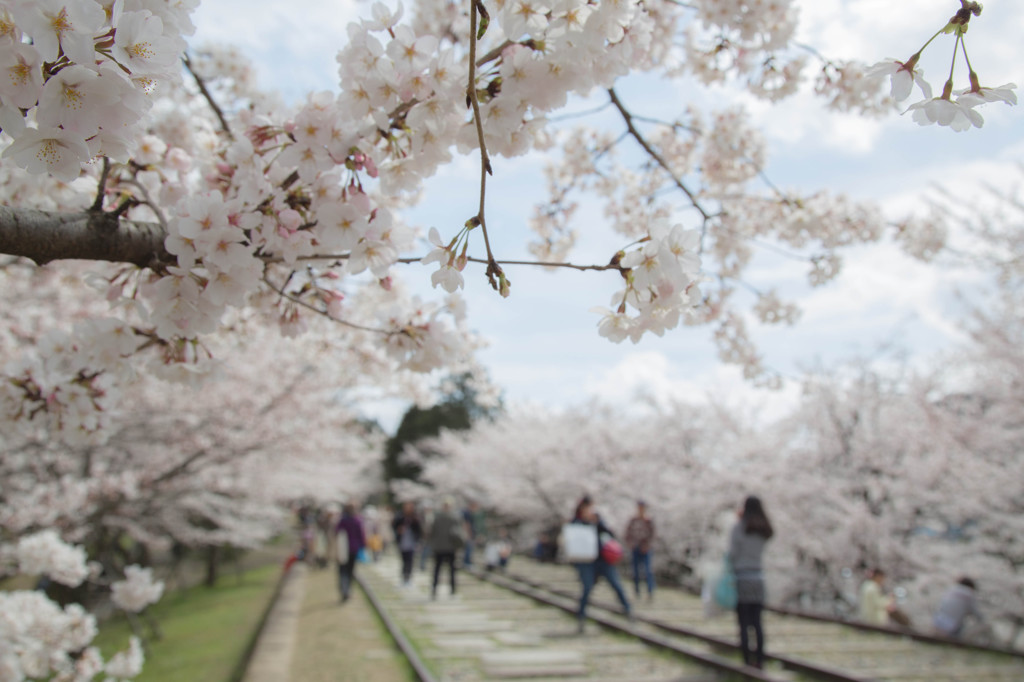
544, 342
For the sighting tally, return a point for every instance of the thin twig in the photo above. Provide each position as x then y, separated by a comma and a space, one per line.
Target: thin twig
549, 264
101, 189
493, 54
209, 98
628, 118
485, 163
298, 301
578, 114
148, 201
471, 259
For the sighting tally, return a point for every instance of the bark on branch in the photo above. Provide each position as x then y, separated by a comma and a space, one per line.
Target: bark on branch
44, 236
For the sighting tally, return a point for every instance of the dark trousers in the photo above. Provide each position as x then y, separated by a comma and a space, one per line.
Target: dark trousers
346, 574
749, 616
642, 571
407, 565
589, 574
444, 558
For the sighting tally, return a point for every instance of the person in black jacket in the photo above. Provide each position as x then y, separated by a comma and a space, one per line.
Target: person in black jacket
408, 533
590, 572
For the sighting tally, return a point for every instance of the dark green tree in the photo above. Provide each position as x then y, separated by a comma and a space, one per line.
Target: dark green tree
458, 410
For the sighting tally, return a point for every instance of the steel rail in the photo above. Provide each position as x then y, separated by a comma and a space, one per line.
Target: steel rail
915, 635
710, 660
898, 632
797, 664
420, 669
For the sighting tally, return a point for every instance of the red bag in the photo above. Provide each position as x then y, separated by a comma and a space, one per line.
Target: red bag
611, 551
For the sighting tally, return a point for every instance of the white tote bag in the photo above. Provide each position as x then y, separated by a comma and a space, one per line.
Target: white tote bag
343, 553
579, 542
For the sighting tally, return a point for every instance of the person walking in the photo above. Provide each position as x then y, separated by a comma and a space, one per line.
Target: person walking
445, 538
408, 533
639, 539
350, 538
591, 571
746, 548
475, 522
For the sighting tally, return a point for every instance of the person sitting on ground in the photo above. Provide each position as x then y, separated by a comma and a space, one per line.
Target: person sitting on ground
497, 552
958, 604
875, 605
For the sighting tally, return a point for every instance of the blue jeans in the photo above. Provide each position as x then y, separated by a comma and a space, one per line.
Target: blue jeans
467, 553
642, 562
589, 574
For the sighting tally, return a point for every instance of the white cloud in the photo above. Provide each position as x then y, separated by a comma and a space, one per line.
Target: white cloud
293, 44
652, 378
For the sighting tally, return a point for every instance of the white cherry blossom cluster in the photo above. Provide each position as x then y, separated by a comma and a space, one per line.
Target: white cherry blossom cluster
126, 664
316, 185
770, 309
746, 39
69, 384
39, 639
733, 151
956, 108
661, 284
852, 86
45, 554
78, 75
138, 589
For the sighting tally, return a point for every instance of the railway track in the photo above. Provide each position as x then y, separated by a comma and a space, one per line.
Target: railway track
491, 632
523, 626
810, 648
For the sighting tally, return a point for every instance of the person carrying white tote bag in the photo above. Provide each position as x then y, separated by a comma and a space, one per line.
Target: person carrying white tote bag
579, 543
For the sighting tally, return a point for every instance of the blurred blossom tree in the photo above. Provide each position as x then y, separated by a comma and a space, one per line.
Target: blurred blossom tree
218, 208
914, 471
461, 406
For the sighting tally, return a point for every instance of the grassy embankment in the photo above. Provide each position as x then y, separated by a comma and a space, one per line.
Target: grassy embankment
207, 632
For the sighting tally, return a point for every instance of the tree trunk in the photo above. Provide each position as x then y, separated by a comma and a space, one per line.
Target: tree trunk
212, 564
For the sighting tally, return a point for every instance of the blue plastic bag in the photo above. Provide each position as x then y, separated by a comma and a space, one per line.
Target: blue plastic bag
363, 556
725, 588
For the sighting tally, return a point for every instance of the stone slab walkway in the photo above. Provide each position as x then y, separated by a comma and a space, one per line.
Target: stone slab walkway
272, 657
484, 633
310, 636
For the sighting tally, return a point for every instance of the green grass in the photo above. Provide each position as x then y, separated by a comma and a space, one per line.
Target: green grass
206, 631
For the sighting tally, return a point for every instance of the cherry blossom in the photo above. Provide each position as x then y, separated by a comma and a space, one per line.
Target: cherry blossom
59, 25
903, 78
958, 115
140, 44
137, 591
49, 150
243, 233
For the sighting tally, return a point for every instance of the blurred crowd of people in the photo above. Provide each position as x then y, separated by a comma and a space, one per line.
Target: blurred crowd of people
453, 537
461, 536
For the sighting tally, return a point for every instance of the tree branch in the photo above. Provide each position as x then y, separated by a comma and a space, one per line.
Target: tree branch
676, 180
43, 236
209, 98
